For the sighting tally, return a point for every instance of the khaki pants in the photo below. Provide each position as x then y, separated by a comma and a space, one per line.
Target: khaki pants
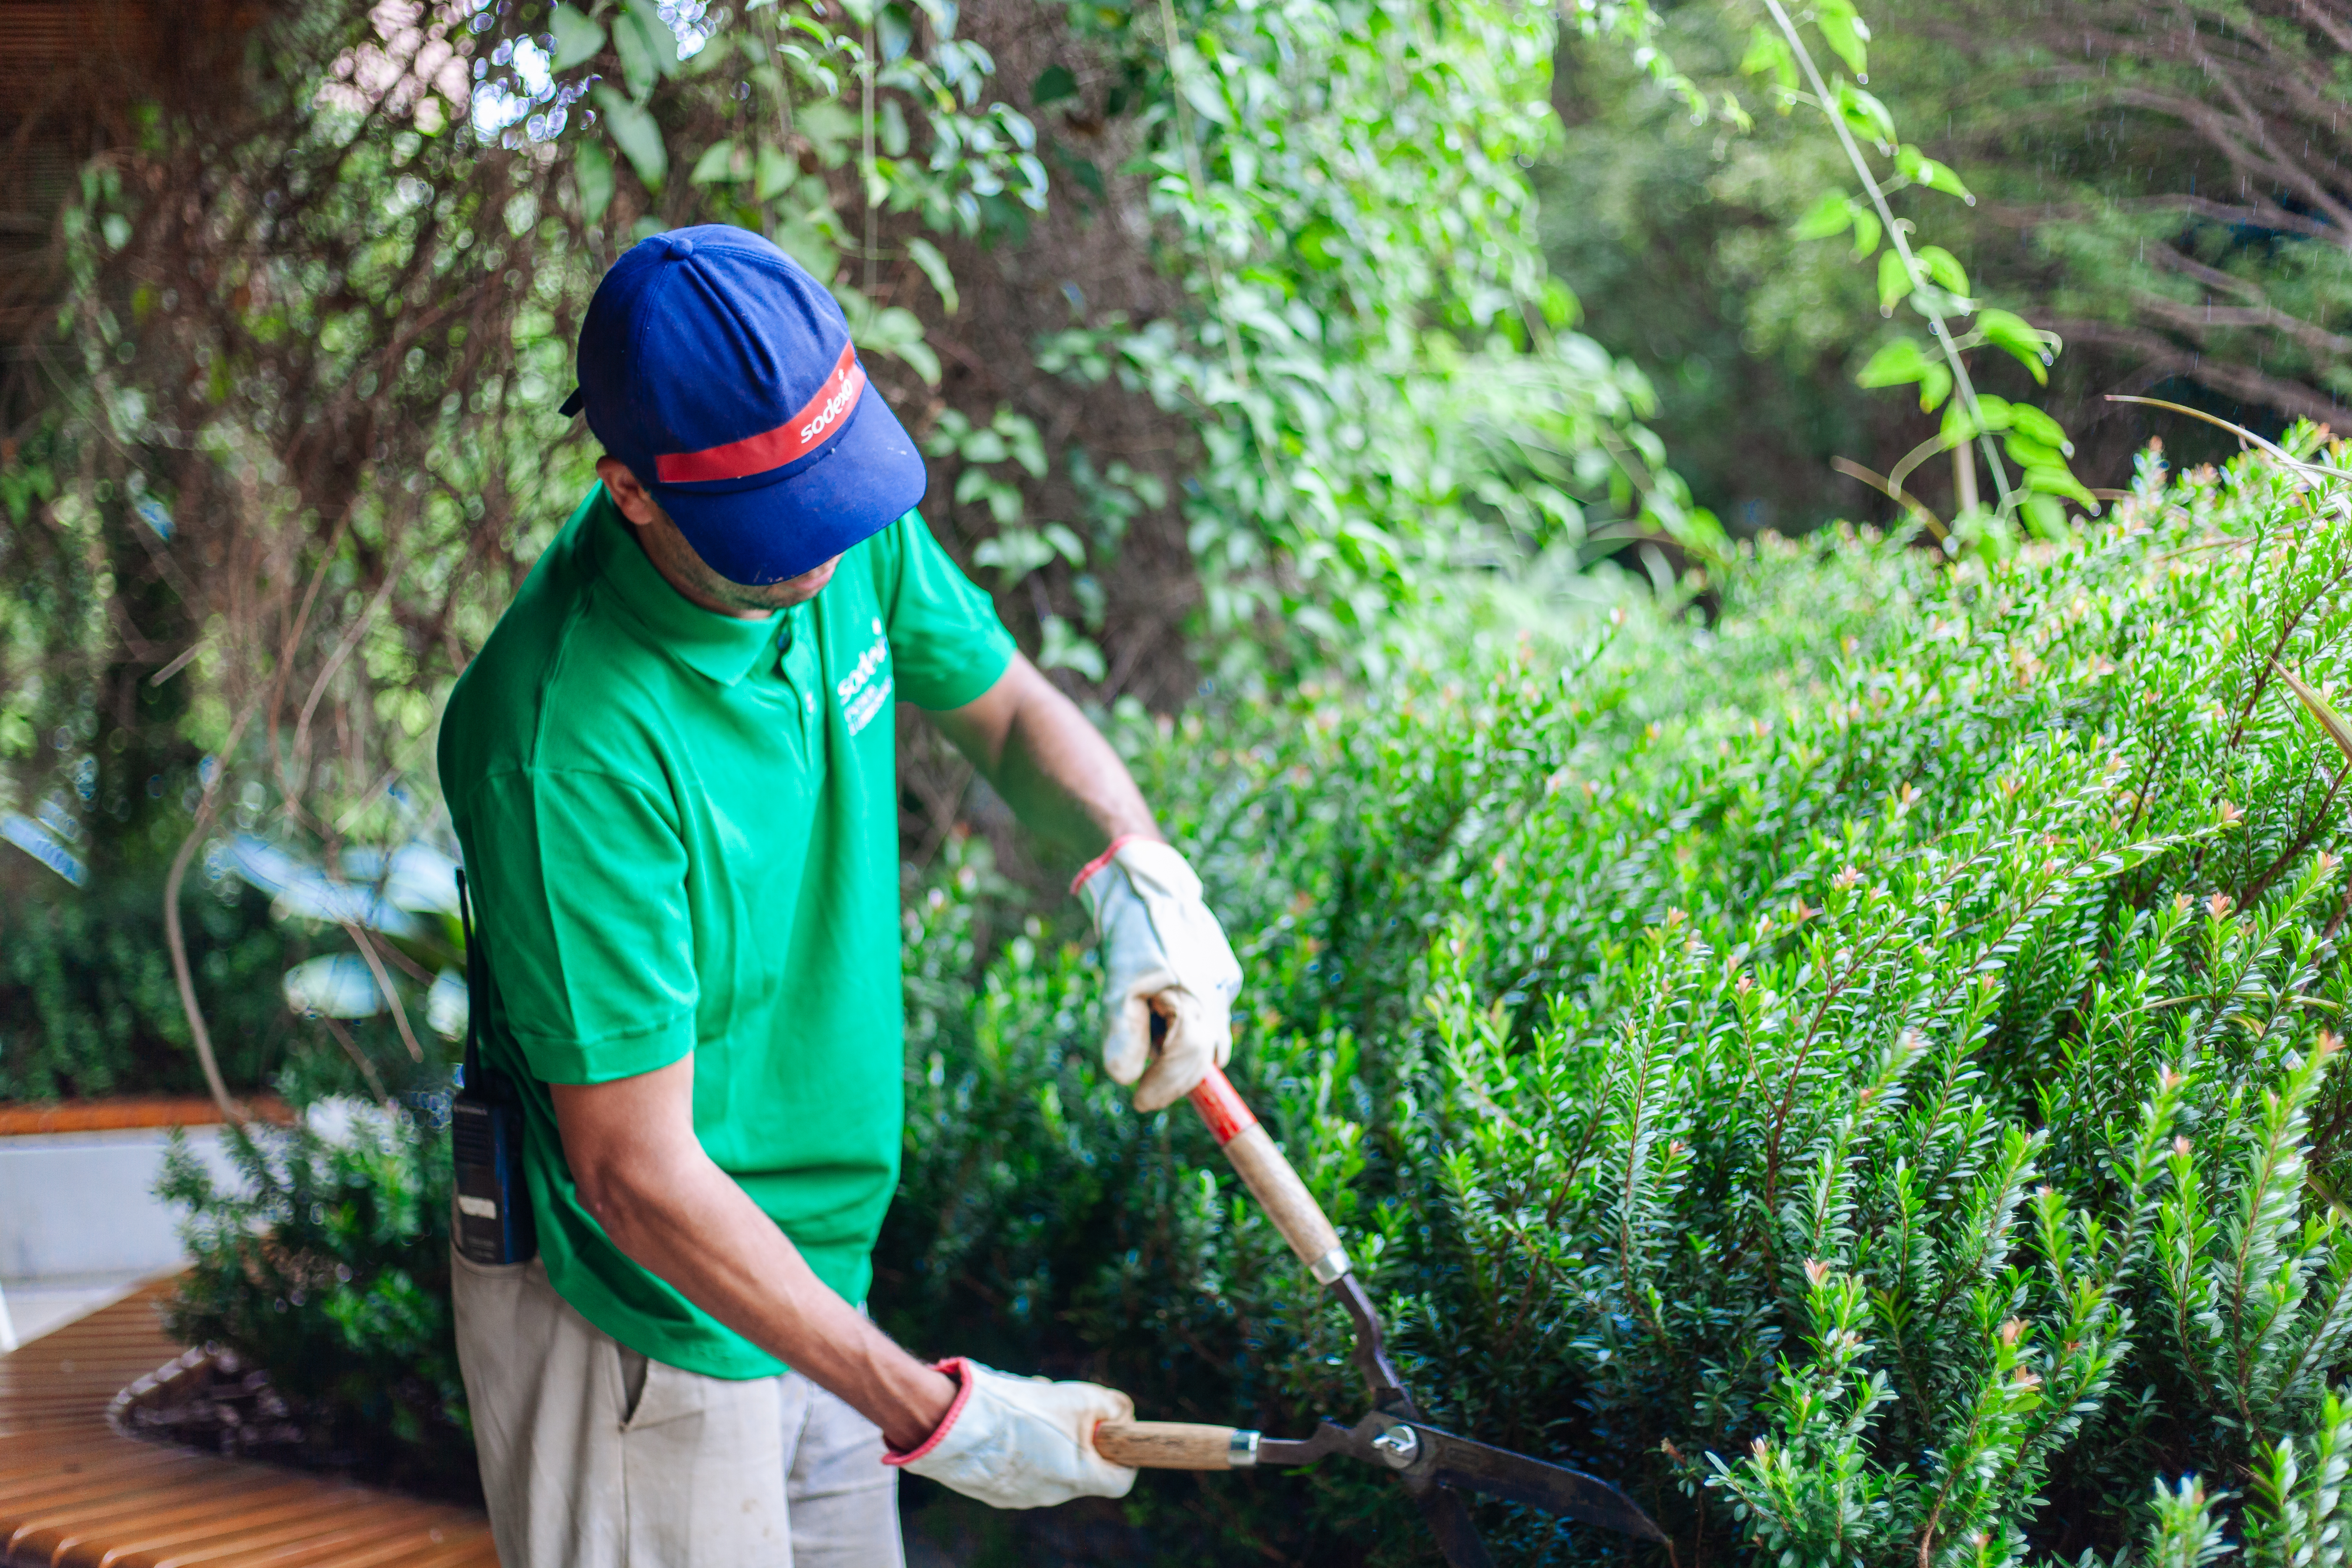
594, 1456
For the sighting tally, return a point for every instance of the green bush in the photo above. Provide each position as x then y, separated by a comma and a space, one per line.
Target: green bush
1856, 1072
327, 1265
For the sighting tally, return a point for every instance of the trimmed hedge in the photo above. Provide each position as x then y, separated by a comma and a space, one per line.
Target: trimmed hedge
1858, 1072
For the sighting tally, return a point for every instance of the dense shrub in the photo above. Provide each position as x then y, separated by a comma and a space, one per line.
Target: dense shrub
326, 1265
1857, 1071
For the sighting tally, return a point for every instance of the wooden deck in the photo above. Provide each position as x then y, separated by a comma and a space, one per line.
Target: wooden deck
75, 1492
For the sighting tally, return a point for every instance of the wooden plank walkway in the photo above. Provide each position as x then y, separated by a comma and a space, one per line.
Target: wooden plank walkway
74, 1493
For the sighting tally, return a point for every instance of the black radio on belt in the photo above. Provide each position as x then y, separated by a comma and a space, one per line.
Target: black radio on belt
492, 1220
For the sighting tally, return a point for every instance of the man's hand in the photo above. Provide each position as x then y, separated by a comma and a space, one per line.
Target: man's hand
1022, 1442
1163, 952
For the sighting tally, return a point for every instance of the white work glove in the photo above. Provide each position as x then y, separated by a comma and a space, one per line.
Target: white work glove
1022, 1442
1159, 944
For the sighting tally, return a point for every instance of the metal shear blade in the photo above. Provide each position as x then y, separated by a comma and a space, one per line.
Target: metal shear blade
1429, 1461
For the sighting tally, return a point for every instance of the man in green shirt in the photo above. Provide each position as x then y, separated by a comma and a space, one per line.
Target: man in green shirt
671, 770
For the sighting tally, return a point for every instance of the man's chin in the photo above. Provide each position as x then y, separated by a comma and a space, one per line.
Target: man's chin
782, 595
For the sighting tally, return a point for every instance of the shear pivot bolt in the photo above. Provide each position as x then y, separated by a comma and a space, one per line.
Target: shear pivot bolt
1398, 1447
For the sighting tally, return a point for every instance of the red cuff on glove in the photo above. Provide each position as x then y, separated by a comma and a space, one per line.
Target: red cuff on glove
1101, 860
960, 1369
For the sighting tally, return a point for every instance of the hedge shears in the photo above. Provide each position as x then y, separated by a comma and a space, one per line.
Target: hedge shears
1435, 1467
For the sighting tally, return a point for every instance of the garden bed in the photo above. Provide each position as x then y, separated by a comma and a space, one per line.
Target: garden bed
212, 1400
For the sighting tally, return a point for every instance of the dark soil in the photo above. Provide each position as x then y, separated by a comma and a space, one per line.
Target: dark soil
232, 1409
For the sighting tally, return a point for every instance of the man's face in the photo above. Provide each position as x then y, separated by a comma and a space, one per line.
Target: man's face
675, 558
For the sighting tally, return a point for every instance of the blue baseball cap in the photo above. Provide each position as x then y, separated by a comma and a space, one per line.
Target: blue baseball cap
721, 372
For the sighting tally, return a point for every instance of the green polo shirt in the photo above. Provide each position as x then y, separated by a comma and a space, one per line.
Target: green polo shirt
681, 831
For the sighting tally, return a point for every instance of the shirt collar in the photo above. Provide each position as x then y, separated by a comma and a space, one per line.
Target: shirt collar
722, 648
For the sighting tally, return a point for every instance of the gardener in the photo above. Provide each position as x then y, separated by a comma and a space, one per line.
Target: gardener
671, 770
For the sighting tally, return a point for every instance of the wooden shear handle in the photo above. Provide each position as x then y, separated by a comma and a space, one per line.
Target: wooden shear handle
1175, 1446
1268, 1175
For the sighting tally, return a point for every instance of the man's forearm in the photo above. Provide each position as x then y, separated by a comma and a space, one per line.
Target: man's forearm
1054, 768
682, 1217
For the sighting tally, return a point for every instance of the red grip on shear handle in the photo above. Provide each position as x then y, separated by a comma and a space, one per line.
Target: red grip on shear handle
1268, 1175
1220, 1105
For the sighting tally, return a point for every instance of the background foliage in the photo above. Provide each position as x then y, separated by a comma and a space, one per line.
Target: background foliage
2158, 184
291, 442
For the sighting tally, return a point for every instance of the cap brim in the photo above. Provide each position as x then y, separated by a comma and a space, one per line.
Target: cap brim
867, 480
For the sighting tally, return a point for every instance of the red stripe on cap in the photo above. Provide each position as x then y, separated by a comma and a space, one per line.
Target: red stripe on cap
795, 439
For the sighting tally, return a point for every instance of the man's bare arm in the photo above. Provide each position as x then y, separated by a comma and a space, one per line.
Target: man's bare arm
642, 1172
1055, 770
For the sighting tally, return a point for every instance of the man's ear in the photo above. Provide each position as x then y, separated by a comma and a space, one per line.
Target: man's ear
635, 503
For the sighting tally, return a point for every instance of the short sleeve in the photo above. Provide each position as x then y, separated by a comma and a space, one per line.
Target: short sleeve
579, 883
946, 644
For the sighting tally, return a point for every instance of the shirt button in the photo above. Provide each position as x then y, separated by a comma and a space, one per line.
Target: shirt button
812, 704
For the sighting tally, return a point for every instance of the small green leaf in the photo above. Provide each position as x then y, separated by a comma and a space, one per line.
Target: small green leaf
648, 49
1559, 306
1845, 32
1934, 386
1944, 267
577, 39
1922, 170
592, 176
716, 164
1084, 171
927, 256
1767, 54
640, 139
892, 329
1866, 232
2044, 515
1865, 114
2329, 719
894, 33
1053, 84
2032, 347
2055, 479
1903, 362
1894, 282
2036, 426
1065, 649
1960, 426
1832, 215
775, 174
1896, 364
2027, 453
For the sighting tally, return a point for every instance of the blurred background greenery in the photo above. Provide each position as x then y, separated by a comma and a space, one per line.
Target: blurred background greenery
1226, 359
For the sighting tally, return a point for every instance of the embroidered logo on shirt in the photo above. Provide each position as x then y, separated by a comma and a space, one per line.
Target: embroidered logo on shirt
862, 697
